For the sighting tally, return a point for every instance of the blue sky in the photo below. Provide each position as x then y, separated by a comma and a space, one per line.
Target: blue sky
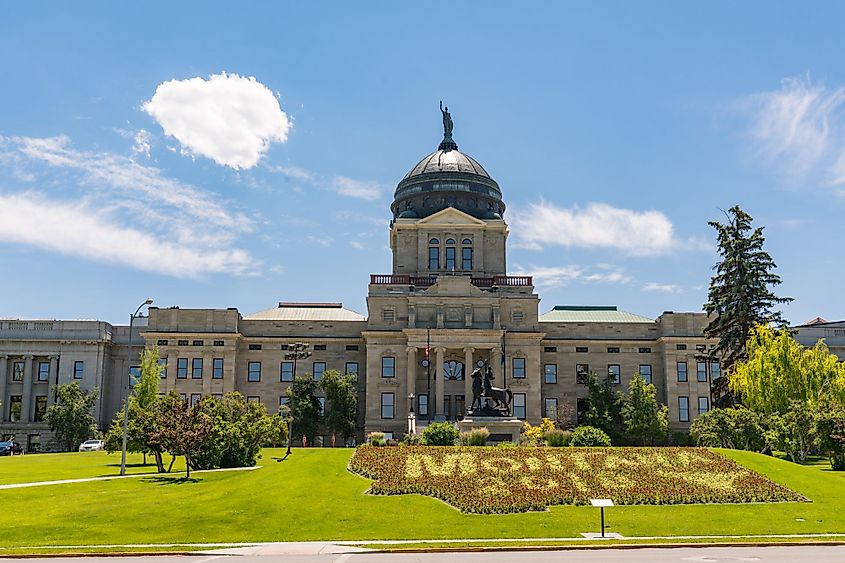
138, 157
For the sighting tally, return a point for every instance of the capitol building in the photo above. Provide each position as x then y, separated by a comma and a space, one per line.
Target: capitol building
448, 299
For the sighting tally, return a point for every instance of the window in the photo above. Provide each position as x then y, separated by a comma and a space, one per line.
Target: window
682, 371
17, 371
161, 342
217, 368
645, 350
182, 368
195, 398
683, 409
466, 258
285, 347
319, 347
519, 405
680, 346
517, 317
582, 407
582, 372
284, 401
196, 368
388, 366
40, 407
450, 257
286, 371
703, 405
700, 347
15, 402
43, 371
317, 370
197, 343
33, 443
433, 257
581, 349
434, 241
352, 369
388, 315
645, 372
701, 371
134, 375
518, 368
422, 405
183, 397
614, 372
217, 396
219, 343
549, 348
551, 409
550, 373
450, 241
255, 346
715, 370
351, 347
322, 401
387, 401
182, 342
78, 369
253, 371
162, 368
612, 349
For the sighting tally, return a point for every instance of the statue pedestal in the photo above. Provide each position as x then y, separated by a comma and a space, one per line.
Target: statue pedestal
501, 428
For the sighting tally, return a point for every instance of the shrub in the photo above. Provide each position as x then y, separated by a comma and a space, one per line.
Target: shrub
475, 437
589, 436
682, 439
440, 434
734, 428
412, 440
532, 435
557, 438
376, 438
506, 445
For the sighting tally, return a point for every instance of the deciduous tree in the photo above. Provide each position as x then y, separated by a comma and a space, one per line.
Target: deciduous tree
342, 403
70, 419
304, 408
644, 418
181, 428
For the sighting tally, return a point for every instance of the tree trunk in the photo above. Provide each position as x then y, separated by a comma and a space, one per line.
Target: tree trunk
159, 461
145, 458
187, 465
172, 460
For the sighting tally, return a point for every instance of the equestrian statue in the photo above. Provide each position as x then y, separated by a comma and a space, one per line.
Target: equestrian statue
483, 394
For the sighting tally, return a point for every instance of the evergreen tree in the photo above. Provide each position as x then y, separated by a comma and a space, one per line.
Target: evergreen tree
644, 418
603, 405
305, 410
740, 296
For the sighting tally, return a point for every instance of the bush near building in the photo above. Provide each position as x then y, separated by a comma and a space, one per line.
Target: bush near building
440, 434
587, 436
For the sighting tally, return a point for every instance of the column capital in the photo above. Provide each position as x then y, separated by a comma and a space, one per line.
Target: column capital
469, 350
440, 349
27, 356
411, 349
4, 356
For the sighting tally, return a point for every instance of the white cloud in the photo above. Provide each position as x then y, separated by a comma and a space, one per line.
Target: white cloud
107, 207
355, 188
597, 226
357, 245
143, 142
662, 287
559, 276
799, 129
608, 277
228, 118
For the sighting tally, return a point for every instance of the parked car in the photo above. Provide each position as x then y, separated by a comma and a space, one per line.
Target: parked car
91, 446
10, 448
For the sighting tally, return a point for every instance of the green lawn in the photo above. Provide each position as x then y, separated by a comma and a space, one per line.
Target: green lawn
312, 496
77, 465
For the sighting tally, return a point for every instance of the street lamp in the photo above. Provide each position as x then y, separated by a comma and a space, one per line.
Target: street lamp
296, 351
148, 301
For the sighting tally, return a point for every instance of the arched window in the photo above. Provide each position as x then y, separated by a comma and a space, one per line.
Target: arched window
434, 241
433, 254
450, 254
450, 241
466, 255
466, 241
453, 370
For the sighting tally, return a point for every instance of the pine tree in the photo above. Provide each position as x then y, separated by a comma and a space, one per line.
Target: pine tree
740, 296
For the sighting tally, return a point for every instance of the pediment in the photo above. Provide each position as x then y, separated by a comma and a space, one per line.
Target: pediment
454, 286
451, 216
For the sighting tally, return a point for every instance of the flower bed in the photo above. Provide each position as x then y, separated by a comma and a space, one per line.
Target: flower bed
499, 480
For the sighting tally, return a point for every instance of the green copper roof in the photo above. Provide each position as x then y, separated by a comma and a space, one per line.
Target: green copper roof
591, 314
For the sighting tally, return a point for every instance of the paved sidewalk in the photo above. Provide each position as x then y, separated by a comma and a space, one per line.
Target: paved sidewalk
111, 477
290, 548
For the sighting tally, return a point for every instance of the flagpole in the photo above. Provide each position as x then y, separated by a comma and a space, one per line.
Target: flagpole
428, 370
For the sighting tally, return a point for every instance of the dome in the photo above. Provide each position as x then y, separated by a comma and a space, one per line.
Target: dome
447, 178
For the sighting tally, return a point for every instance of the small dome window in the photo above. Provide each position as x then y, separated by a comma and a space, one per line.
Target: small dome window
434, 241
450, 241
466, 241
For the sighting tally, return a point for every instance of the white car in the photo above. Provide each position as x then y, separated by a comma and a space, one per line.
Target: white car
91, 446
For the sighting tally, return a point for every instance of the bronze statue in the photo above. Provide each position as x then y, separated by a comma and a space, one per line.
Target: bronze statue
477, 389
483, 394
447, 121
501, 397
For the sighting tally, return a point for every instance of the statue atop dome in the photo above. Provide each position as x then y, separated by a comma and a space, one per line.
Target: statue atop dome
447, 122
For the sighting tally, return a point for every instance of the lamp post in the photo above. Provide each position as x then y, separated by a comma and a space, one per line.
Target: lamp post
148, 301
296, 351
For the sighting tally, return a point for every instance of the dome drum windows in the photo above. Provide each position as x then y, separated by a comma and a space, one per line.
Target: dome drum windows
450, 254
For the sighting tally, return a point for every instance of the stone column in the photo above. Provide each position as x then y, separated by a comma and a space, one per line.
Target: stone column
439, 385
3, 376
412, 373
468, 367
496, 366
207, 372
26, 399
52, 380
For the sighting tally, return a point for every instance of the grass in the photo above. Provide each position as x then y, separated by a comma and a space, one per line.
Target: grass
77, 465
312, 496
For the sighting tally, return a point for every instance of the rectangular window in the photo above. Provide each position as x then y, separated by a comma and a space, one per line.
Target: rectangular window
682, 371
582, 407
582, 373
162, 368
183, 397
422, 405
518, 368
197, 343
387, 401
352, 369
614, 372
701, 371
196, 368
17, 371
519, 405
703, 405
351, 347
217, 368
318, 368
161, 343
715, 370
388, 315
286, 371
612, 349
15, 402
322, 401
450, 257
645, 372
182, 342
700, 347
581, 349
217, 396
433, 258
219, 343
182, 368
517, 317
551, 409
33, 443
195, 398
40, 407
549, 348
43, 371
680, 346
645, 350
254, 346
253, 399
253, 372
466, 258
388, 366
683, 409
284, 400
447, 406
78, 369
134, 375
550, 373
319, 347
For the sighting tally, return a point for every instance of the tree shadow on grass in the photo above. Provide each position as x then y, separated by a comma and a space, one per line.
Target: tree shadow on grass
280, 459
150, 465
170, 480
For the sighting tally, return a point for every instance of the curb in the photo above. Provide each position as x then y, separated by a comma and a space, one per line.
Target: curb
94, 554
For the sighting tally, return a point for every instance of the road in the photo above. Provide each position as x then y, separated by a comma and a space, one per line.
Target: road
788, 554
